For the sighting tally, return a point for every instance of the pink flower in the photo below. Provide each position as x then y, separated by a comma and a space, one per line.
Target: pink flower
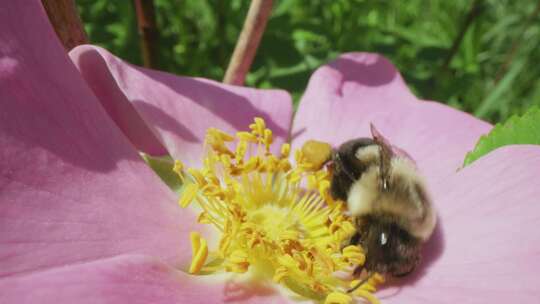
84, 220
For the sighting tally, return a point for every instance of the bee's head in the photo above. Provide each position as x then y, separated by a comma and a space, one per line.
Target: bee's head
390, 249
357, 156
348, 167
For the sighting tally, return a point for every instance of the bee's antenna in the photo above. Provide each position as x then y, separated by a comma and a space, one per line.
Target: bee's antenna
360, 283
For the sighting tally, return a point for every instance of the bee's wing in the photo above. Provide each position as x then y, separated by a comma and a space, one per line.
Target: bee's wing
386, 154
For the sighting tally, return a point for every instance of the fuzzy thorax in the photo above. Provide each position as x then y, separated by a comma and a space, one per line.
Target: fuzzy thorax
406, 199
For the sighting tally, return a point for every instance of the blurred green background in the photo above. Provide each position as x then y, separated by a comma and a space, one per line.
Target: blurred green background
494, 72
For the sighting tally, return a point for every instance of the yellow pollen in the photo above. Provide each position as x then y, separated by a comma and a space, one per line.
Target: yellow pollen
317, 152
276, 220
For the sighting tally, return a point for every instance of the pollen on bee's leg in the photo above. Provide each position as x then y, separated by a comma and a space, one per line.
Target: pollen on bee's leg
199, 249
316, 153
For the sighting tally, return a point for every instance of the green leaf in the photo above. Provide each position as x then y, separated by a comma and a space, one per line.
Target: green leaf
516, 130
163, 167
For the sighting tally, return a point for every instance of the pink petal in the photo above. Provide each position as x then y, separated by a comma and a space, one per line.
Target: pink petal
128, 279
487, 248
357, 89
177, 110
72, 187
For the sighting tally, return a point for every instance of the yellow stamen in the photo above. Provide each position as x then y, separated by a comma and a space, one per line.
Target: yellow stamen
366, 289
276, 220
285, 150
338, 298
280, 273
354, 255
189, 193
258, 127
241, 150
367, 295
178, 167
238, 262
199, 249
246, 136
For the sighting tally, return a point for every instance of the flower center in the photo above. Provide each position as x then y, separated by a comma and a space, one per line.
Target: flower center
276, 220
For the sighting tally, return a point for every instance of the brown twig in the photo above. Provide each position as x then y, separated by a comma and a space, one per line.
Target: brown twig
148, 32
515, 45
248, 42
65, 19
474, 12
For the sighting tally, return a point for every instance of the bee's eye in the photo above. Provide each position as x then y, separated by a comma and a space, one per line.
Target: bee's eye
383, 239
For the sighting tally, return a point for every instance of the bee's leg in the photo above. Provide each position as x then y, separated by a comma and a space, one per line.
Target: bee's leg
358, 271
360, 283
355, 239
